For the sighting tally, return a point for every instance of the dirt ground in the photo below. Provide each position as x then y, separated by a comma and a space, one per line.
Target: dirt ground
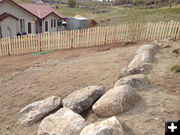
26, 78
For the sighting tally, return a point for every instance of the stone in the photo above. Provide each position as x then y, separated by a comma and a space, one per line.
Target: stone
163, 44
63, 122
110, 126
38, 110
144, 68
123, 73
81, 100
136, 81
150, 48
141, 63
139, 59
168, 39
116, 101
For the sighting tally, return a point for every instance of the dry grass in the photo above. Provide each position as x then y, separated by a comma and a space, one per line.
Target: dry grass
117, 14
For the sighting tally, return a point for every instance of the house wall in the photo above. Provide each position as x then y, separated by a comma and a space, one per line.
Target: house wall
18, 12
48, 18
9, 27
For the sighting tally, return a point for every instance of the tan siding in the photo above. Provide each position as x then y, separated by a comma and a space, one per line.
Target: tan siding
16, 11
9, 26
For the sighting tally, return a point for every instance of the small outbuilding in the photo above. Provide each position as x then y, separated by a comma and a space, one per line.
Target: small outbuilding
74, 23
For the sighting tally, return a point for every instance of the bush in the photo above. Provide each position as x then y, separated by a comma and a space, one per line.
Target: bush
175, 68
176, 51
71, 3
57, 7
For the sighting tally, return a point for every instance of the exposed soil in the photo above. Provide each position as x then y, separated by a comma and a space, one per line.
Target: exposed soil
26, 78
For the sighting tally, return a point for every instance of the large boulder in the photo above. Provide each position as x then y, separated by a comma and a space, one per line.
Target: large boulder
63, 122
135, 81
38, 110
109, 126
81, 100
139, 59
150, 48
116, 101
144, 68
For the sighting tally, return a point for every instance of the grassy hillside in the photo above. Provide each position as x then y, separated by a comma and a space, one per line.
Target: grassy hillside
116, 15
109, 15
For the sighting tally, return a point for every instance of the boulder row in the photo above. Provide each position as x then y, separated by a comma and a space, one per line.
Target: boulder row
141, 63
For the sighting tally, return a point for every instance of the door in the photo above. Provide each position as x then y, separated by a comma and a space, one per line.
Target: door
39, 26
46, 26
29, 28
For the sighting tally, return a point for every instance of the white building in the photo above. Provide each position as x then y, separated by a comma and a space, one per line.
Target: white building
74, 23
27, 18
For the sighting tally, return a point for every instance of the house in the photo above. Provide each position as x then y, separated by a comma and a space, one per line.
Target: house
18, 18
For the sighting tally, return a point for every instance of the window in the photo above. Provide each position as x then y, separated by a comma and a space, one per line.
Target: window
54, 23
51, 23
22, 25
29, 28
46, 26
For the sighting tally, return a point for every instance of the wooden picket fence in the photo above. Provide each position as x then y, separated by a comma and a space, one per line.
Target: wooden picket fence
89, 37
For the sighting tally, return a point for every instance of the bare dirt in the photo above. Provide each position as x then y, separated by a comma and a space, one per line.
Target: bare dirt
26, 78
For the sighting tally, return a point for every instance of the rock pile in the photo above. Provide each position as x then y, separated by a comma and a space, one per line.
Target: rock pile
121, 98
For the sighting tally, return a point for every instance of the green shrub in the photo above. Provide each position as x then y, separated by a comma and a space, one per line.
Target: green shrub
177, 50
175, 68
71, 3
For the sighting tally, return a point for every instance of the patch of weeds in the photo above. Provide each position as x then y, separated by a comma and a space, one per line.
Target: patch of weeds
175, 68
176, 51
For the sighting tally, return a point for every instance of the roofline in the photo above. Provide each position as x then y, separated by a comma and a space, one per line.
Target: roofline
32, 13
8, 15
21, 7
54, 14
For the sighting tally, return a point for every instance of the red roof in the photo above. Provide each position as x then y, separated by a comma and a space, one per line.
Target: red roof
5, 15
41, 11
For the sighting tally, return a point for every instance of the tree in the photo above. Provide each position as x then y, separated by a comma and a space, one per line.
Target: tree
71, 3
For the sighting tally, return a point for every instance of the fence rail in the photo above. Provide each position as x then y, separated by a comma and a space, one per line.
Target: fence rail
89, 37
